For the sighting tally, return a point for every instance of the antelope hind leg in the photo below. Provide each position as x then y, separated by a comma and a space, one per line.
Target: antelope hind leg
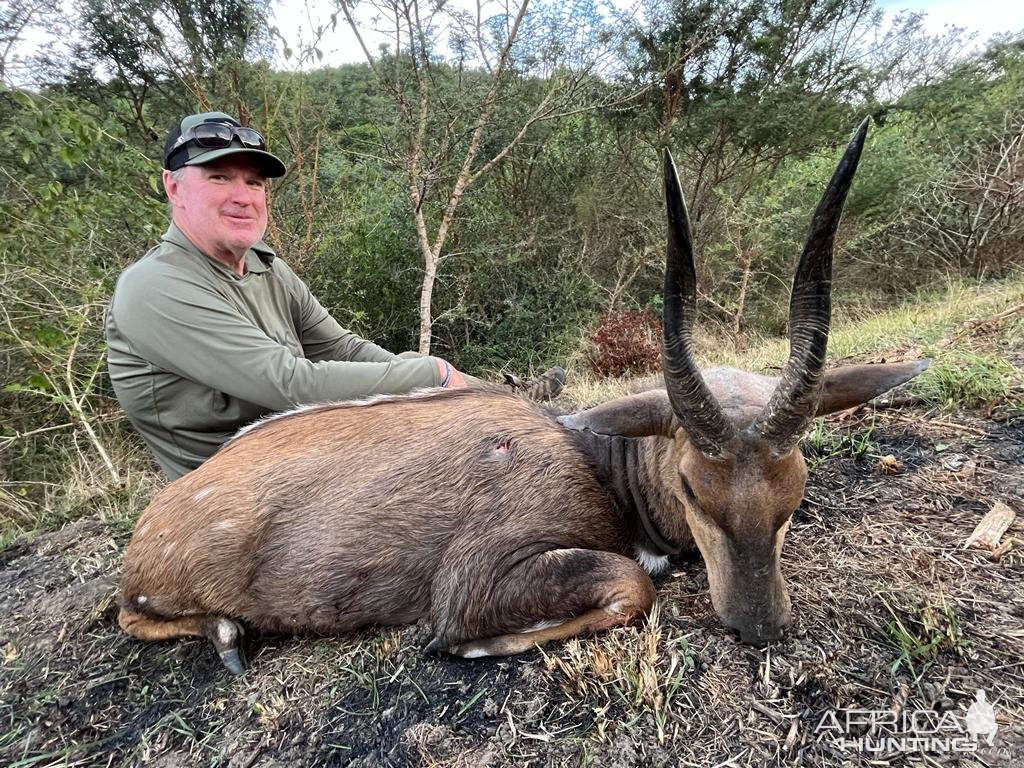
566, 592
225, 634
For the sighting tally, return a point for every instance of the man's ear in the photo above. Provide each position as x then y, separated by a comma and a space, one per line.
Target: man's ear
171, 186
648, 413
856, 384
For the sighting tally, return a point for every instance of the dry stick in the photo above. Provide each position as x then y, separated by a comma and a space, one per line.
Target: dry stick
1017, 310
771, 714
74, 405
949, 424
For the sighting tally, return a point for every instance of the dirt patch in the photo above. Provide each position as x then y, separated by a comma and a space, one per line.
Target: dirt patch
890, 613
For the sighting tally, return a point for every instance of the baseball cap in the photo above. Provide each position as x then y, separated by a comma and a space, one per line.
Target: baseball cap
208, 136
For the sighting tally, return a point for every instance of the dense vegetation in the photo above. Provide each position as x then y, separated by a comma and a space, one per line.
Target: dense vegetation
514, 161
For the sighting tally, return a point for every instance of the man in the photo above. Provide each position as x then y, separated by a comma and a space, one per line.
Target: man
209, 331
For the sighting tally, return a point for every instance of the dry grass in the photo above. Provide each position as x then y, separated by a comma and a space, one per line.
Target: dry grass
891, 612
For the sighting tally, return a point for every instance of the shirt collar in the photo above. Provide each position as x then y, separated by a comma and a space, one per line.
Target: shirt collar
257, 259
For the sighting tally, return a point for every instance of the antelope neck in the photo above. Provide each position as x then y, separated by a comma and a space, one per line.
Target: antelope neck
619, 464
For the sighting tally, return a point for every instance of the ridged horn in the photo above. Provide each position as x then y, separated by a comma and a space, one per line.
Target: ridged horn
692, 402
793, 403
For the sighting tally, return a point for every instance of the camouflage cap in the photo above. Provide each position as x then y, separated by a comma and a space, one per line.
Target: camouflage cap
177, 155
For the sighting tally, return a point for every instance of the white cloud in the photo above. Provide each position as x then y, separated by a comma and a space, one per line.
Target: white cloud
986, 17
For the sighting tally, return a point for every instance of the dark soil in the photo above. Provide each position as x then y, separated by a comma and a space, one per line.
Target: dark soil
891, 612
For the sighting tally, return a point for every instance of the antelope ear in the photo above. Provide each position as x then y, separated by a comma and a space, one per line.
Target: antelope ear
856, 384
642, 415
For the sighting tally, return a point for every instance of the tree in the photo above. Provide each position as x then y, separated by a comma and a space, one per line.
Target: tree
76, 203
187, 55
528, 67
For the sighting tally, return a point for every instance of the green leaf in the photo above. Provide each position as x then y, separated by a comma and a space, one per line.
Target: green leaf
49, 336
25, 100
38, 381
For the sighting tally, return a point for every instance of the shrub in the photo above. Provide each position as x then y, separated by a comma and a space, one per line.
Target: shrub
626, 342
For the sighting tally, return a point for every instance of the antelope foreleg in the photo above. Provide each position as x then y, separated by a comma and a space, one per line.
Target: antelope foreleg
557, 594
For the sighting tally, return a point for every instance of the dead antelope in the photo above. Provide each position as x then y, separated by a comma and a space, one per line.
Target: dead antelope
501, 525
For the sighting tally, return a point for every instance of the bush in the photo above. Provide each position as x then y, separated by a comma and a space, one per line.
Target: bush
626, 342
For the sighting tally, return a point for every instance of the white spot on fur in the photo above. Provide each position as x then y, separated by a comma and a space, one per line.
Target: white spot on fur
203, 494
222, 525
474, 653
653, 564
225, 632
141, 600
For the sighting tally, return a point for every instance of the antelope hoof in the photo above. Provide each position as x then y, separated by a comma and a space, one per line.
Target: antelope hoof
233, 660
435, 647
226, 636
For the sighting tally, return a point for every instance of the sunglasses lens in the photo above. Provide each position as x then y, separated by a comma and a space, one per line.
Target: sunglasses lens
212, 135
220, 135
250, 138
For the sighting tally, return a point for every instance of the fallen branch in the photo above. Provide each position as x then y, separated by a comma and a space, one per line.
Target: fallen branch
937, 423
994, 320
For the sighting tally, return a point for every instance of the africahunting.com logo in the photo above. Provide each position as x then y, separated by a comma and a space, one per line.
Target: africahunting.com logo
886, 731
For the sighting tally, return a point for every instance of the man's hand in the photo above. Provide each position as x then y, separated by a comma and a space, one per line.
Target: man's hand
448, 371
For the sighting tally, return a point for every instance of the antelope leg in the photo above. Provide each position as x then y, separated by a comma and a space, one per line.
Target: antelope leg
225, 634
552, 596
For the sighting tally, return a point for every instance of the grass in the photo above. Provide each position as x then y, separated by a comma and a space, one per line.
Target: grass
624, 676
921, 635
922, 319
827, 441
925, 324
961, 378
82, 489
677, 690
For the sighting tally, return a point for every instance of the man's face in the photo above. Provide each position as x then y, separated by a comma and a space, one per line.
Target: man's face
221, 206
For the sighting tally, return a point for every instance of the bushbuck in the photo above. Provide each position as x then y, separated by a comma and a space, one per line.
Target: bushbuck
500, 523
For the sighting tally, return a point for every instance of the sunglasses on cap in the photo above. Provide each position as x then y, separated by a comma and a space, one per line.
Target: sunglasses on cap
220, 135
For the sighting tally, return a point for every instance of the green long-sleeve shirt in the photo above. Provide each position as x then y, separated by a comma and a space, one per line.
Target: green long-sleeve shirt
197, 351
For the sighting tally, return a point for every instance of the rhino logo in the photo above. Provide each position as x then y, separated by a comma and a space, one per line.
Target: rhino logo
981, 718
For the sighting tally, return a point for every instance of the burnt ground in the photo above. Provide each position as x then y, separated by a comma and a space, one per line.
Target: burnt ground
891, 613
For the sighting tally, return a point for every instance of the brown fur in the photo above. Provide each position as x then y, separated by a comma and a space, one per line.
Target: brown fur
735, 508
480, 511
475, 510
447, 505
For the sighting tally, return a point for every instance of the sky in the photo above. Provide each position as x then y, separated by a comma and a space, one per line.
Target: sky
298, 22
986, 17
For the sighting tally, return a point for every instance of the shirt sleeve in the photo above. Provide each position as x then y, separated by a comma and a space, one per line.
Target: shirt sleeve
186, 327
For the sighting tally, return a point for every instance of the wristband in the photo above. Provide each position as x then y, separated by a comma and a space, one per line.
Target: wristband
447, 374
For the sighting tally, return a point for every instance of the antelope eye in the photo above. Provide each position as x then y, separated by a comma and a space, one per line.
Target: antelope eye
687, 489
